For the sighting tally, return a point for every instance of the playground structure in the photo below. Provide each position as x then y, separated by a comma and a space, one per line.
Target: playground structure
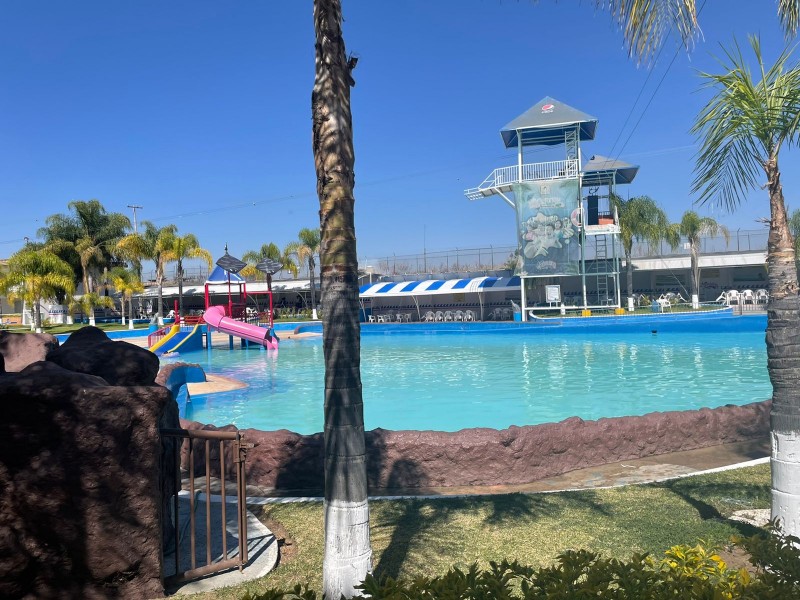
236, 318
566, 222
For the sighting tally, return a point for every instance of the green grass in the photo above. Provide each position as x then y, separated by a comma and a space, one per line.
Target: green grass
54, 329
426, 537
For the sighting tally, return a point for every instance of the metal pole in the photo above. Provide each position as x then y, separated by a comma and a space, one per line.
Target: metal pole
134, 207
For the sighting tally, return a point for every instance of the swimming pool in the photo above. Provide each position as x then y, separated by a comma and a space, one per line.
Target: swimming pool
453, 381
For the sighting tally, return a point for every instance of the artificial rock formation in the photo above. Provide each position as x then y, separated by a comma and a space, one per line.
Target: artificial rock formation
18, 350
485, 457
79, 469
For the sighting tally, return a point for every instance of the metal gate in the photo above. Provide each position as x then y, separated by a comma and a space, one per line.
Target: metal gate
199, 447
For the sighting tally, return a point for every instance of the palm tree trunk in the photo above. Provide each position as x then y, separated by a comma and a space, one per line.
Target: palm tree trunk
37, 315
180, 290
130, 311
348, 555
783, 359
695, 272
629, 274
313, 285
122, 308
160, 283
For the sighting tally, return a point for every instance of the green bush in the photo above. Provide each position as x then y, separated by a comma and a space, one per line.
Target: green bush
685, 573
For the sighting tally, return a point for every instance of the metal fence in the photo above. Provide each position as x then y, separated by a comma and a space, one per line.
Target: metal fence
496, 258
226, 447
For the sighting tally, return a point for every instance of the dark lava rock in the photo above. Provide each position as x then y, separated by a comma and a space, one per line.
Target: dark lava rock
89, 350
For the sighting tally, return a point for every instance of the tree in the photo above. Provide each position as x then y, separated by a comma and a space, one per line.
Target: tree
178, 248
127, 283
253, 257
87, 237
36, 275
742, 130
306, 250
87, 303
150, 245
693, 227
640, 218
348, 555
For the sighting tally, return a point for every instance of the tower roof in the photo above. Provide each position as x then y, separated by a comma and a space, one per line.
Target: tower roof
601, 170
545, 124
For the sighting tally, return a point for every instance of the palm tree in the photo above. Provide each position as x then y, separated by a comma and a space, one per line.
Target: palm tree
35, 275
253, 257
87, 303
640, 219
127, 283
348, 555
87, 237
178, 248
306, 250
150, 245
742, 130
693, 227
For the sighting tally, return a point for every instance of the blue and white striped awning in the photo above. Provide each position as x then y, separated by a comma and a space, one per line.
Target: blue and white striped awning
431, 287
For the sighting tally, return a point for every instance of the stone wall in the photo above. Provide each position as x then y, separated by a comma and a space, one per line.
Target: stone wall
79, 469
485, 457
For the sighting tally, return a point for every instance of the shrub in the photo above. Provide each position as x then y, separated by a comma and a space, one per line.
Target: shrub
685, 573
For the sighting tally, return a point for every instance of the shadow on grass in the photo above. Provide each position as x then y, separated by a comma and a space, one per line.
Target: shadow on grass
717, 501
412, 519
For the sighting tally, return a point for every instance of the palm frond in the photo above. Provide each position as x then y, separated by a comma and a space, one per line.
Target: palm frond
744, 124
789, 15
645, 24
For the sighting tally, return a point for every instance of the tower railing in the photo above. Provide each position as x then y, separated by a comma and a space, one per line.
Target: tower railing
503, 176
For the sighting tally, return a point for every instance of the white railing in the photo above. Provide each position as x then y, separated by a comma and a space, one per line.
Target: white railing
556, 169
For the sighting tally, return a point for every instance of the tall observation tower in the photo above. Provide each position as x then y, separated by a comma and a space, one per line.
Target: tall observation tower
566, 223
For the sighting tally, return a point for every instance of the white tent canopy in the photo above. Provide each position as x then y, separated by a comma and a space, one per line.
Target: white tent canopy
398, 291
430, 287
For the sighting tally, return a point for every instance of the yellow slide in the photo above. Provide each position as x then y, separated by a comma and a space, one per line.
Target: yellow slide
172, 331
194, 332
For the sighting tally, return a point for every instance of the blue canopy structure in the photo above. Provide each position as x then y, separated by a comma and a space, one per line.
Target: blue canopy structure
220, 275
395, 292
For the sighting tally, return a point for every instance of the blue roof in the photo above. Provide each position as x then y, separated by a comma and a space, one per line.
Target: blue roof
220, 275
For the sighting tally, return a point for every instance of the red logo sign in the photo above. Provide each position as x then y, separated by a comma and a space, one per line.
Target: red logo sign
548, 108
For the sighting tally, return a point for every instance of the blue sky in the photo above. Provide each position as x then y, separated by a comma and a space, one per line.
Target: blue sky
200, 112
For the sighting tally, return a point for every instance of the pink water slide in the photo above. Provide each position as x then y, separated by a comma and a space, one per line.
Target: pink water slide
215, 317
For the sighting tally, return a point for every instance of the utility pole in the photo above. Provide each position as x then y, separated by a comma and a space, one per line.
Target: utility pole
134, 207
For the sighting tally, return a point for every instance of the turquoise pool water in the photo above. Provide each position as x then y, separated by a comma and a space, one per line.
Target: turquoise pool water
449, 382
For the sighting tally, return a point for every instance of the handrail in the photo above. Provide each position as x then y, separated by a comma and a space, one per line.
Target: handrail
555, 169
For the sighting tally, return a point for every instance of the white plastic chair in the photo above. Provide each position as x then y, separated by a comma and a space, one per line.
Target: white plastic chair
762, 296
439, 316
458, 315
734, 297
469, 315
448, 315
748, 297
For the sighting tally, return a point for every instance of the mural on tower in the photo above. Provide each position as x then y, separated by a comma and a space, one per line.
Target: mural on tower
548, 218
